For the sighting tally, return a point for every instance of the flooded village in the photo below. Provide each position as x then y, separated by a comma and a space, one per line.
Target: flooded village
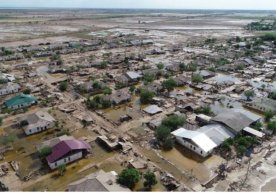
137, 100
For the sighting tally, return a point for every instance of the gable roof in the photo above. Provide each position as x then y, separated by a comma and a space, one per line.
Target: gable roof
20, 99
97, 182
64, 147
234, 120
199, 138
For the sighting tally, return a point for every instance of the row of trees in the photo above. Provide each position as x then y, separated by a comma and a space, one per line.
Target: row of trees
130, 177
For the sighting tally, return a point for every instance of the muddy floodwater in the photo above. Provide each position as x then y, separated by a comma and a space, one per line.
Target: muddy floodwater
270, 186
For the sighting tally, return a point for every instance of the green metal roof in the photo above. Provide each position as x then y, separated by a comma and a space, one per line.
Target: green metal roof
20, 99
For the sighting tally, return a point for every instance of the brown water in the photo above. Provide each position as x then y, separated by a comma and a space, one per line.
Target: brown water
269, 186
132, 108
165, 165
186, 161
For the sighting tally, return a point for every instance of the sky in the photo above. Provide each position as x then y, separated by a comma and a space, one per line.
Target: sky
160, 4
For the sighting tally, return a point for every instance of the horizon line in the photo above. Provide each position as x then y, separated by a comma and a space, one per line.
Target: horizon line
98, 8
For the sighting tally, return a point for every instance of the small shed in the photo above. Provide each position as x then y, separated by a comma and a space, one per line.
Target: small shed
254, 132
152, 109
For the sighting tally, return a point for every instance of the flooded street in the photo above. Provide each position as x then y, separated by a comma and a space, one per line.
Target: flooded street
270, 186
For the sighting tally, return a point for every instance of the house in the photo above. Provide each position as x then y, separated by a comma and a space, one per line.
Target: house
53, 141
119, 97
133, 76
236, 120
196, 141
9, 88
206, 74
173, 67
153, 109
153, 87
7, 77
262, 104
67, 151
218, 133
98, 182
20, 101
37, 122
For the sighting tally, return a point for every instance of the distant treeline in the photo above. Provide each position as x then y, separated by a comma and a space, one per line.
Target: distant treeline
262, 25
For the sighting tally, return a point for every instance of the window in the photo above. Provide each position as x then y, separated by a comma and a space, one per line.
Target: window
201, 152
56, 164
64, 160
68, 158
30, 131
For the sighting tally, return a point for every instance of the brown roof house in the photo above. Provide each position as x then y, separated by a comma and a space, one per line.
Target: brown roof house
119, 96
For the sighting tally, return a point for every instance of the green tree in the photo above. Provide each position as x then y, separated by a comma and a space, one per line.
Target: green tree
268, 115
45, 151
132, 89
249, 94
150, 180
169, 84
206, 110
96, 85
61, 169
273, 96
146, 96
149, 77
107, 91
164, 137
103, 65
1, 121
272, 126
197, 78
129, 177
173, 121
27, 91
63, 86
160, 66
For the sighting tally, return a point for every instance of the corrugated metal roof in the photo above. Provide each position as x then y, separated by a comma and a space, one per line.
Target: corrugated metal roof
254, 132
152, 109
199, 138
20, 99
217, 132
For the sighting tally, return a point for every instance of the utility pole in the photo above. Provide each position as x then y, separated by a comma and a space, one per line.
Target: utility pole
246, 175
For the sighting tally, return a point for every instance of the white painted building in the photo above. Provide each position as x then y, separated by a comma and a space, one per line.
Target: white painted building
67, 151
37, 122
9, 88
66, 160
196, 141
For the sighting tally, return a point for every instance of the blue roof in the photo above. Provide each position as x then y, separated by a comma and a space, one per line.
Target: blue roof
20, 99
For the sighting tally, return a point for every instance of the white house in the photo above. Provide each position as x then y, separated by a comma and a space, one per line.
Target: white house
67, 151
9, 88
196, 141
37, 122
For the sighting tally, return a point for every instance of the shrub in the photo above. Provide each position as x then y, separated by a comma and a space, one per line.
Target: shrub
268, 115
272, 126
197, 78
150, 180
63, 86
45, 151
160, 66
27, 91
173, 121
146, 96
169, 84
